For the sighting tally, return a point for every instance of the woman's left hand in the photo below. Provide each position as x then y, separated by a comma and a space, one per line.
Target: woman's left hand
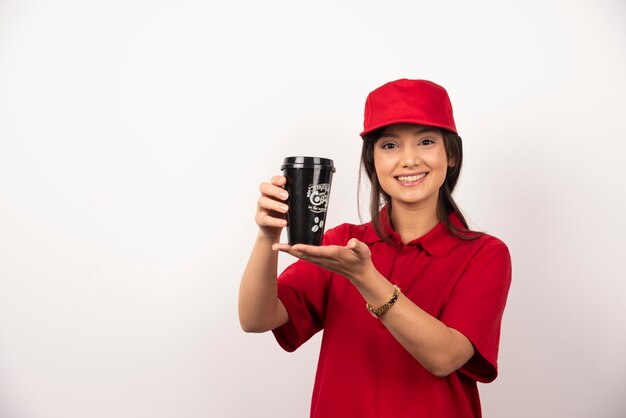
352, 261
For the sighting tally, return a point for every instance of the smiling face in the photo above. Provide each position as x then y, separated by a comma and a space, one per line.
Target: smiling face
411, 165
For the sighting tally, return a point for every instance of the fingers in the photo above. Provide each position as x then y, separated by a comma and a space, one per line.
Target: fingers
265, 220
267, 204
311, 252
274, 189
269, 218
297, 250
281, 247
330, 252
271, 207
306, 254
359, 248
279, 181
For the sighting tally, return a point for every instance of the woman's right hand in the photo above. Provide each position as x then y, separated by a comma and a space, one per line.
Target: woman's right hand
271, 208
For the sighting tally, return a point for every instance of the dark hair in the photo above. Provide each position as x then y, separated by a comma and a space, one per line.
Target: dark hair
445, 204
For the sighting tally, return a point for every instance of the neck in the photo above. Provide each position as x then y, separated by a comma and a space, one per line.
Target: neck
413, 222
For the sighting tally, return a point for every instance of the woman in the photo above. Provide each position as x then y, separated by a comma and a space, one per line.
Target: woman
410, 303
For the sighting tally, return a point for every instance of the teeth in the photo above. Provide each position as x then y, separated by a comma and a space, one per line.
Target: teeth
409, 179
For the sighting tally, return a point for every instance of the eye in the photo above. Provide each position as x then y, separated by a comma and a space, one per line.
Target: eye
427, 141
388, 145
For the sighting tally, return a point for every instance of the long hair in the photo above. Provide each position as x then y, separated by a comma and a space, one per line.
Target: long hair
445, 203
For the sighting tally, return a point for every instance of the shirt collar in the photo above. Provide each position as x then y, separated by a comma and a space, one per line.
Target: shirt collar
438, 241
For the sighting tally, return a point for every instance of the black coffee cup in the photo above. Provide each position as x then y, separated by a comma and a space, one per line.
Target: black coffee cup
308, 185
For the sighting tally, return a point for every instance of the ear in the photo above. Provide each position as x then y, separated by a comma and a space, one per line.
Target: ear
451, 162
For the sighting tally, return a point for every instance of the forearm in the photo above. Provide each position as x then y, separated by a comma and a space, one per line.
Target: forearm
440, 349
260, 309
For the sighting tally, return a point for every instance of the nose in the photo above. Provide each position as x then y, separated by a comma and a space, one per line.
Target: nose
410, 157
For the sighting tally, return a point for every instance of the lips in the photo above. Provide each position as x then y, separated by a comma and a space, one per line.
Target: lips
411, 178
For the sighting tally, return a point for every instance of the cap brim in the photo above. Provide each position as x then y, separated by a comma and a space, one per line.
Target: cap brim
413, 121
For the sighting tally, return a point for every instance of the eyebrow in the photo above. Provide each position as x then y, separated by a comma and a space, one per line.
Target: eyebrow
421, 131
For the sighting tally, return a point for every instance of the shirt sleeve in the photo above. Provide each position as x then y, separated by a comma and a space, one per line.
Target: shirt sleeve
476, 305
303, 289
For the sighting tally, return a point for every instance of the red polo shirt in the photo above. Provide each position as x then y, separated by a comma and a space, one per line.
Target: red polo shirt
363, 371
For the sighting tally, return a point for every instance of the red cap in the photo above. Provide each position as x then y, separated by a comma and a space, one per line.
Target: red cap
408, 101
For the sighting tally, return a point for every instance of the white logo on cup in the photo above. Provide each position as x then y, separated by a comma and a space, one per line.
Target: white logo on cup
318, 197
319, 224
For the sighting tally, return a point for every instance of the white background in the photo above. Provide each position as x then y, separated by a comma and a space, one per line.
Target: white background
133, 137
